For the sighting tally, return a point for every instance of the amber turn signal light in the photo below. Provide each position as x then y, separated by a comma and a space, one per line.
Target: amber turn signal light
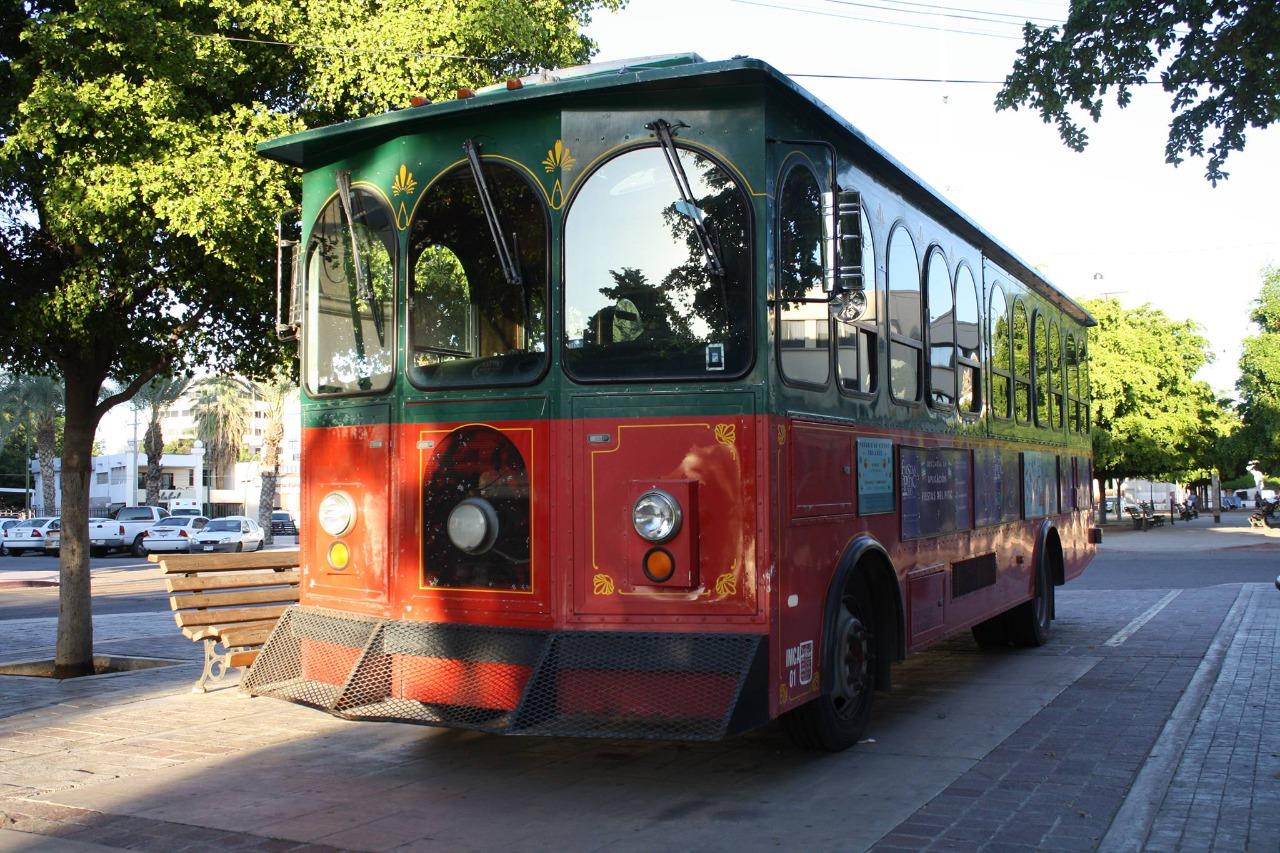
659, 565
339, 556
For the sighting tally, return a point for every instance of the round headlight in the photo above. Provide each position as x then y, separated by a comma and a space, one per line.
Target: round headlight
473, 526
656, 516
337, 513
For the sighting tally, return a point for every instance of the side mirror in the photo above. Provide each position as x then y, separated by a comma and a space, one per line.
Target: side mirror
288, 269
842, 215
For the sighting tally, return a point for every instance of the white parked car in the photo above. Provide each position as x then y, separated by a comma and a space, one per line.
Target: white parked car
233, 533
5, 524
53, 538
175, 533
27, 535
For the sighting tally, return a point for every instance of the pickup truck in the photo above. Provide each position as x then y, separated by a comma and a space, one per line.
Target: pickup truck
104, 534
131, 521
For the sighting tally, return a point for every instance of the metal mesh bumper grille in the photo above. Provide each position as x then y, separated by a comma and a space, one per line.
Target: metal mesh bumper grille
515, 681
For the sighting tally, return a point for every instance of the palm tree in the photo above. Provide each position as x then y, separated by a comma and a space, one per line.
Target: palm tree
274, 392
36, 402
221, 413
155, 396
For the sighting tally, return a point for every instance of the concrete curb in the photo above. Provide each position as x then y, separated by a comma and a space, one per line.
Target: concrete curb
1132, 824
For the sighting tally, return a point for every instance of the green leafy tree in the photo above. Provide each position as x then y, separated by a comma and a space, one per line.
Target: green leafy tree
1215, 58
156, 396
135, 219
1151, 417
36, 404
1259, 383
221, 413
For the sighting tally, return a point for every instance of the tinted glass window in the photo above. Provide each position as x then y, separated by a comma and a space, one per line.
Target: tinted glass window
469, 324
906, 345
349, 338
803, 336
137, 513
1055, 375
1042, 370
904, 286
968, 342
942, 350
640, 299
1021, 362
1001, 347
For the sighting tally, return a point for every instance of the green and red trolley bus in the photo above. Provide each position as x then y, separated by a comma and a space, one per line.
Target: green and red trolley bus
653, 399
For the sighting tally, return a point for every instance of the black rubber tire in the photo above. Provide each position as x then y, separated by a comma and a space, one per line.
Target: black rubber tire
137, 548
1029, 622
993, 633
95, 551
239, 547
837, 719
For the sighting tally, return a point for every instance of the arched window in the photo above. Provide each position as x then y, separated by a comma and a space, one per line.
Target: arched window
804, 321
906, 341
469, 323
641, 300
350, 339
968, 342
1040, 348
1021, 364
1055, 376
856, 346
942, 333
1073, 385
1001, 354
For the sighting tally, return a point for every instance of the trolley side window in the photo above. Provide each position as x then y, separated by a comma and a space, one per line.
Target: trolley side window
906, 342
472, 322
1055, 375
968, 342
1001, 350
350, 336
942, 333
1044, 413
657, 285
856, 345
804, 323
1021, 363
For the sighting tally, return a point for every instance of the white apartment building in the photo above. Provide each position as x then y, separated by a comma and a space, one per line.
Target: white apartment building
184, 476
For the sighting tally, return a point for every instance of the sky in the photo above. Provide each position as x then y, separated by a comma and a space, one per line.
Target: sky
1115, 220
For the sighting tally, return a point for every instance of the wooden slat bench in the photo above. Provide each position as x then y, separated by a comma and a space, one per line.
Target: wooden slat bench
230, 601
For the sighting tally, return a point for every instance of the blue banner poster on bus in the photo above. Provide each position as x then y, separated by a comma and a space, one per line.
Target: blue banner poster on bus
935, 491
998, 496
1039, 483
875, 475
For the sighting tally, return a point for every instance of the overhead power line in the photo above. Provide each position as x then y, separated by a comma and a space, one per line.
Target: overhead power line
941, 11
876, 20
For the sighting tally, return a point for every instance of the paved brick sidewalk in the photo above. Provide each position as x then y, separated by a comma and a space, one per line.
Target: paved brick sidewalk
1057, 783
1225, 794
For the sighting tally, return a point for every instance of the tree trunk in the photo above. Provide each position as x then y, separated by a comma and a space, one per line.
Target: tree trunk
153, 445
46, 449
74, 656
269, 471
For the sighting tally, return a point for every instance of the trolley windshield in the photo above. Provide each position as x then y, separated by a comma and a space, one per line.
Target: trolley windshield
657, 275
478, 280
350, 337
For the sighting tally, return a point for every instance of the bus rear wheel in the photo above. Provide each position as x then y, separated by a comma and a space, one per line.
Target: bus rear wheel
1029, 622
836, 719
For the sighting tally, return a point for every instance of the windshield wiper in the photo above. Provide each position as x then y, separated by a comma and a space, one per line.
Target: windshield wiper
688, 205
510, 269
363, 290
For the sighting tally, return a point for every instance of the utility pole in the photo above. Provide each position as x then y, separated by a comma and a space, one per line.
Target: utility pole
131, 481
26, 470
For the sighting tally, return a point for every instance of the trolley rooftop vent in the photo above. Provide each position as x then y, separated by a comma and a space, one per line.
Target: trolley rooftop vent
317, 148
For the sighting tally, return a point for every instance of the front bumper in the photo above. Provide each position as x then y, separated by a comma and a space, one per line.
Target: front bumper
517, 681
211, 547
